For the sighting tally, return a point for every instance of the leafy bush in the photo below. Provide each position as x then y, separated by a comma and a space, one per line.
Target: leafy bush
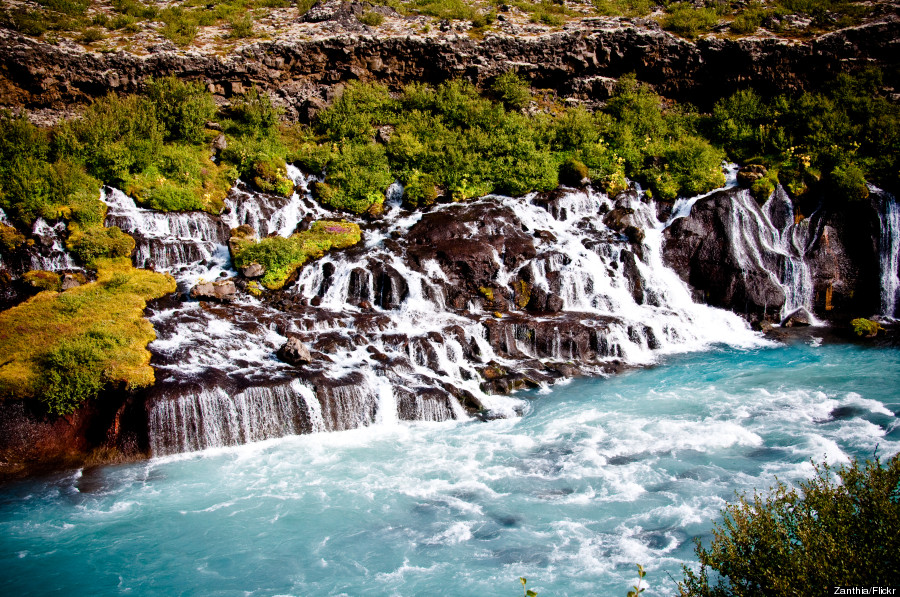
360, 174
842, 527
254, 115
183, 108
512, 90
241, 27
572, 172
849, 182
90, 243
271, 176
420, 190
10, 239
354, 114
371, 18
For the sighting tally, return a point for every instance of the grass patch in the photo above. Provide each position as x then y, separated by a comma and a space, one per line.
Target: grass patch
283, 256
63, 348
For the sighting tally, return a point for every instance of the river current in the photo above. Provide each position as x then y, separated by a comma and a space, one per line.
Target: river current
597, 476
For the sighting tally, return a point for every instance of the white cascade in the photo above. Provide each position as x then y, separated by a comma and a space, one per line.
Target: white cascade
889, 252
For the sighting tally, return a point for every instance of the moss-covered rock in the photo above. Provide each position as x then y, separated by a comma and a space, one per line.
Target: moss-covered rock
62, 348
282, 257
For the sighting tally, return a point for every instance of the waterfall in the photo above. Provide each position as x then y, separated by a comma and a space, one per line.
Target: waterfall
399, 329
190, 243
791, 240
51, 255
889, 251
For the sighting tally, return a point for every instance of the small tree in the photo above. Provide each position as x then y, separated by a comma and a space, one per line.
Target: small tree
842, 527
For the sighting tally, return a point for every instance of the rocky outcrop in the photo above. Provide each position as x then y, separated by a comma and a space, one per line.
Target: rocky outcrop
304, 69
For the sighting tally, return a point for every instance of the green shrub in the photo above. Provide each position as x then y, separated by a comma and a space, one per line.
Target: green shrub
626, 8
849, 182
271, 176
512, 90
842, 527
420, 190
254, 115
444, 9
354, 114
90, 243
866, 327
371, 18
73, 371
572, 172
10, 239
360, 174
183, 108
180, 26
68, 7
684, 19
241, 27
91, 34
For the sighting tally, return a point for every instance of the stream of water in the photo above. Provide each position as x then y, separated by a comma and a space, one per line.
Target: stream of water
597, 476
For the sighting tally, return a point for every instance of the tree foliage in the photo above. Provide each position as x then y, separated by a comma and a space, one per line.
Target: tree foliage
842, 527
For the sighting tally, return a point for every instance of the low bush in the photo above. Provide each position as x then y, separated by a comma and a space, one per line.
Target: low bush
371, 18
866, 327
512, 90
572, 172
685, 19
90, 243
842, 527
241, 27
182, 107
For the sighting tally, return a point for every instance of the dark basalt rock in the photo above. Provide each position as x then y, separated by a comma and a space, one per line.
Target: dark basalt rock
798, 318
294, 352
700, 249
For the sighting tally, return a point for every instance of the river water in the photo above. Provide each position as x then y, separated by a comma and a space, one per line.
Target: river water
598, 475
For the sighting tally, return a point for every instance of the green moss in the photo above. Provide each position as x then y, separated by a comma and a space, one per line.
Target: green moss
866, 327
271, 176
62, 348
43, 280
282, 257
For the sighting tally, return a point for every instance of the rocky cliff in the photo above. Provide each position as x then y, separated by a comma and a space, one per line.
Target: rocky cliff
305, 63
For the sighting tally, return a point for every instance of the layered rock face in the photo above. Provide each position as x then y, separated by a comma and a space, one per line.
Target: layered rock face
304, 69
767, 261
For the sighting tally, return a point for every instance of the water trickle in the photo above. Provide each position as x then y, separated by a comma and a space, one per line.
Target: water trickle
889, 251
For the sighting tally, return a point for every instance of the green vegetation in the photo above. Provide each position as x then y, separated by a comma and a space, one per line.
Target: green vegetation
866, 328
842, 527
371, 18
527, 592
62, 348
453, 141
43, 280
281, 257
833, 140
638, 589
182, 20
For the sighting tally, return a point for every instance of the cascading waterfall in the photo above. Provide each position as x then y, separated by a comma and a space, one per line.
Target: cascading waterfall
792, 240
392, 337
889, 251
191, 243
52, 256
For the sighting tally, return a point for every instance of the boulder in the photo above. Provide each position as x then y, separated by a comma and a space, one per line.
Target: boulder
750, 174
254, 270
294, 352
220, 290
798, 318
69, 281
